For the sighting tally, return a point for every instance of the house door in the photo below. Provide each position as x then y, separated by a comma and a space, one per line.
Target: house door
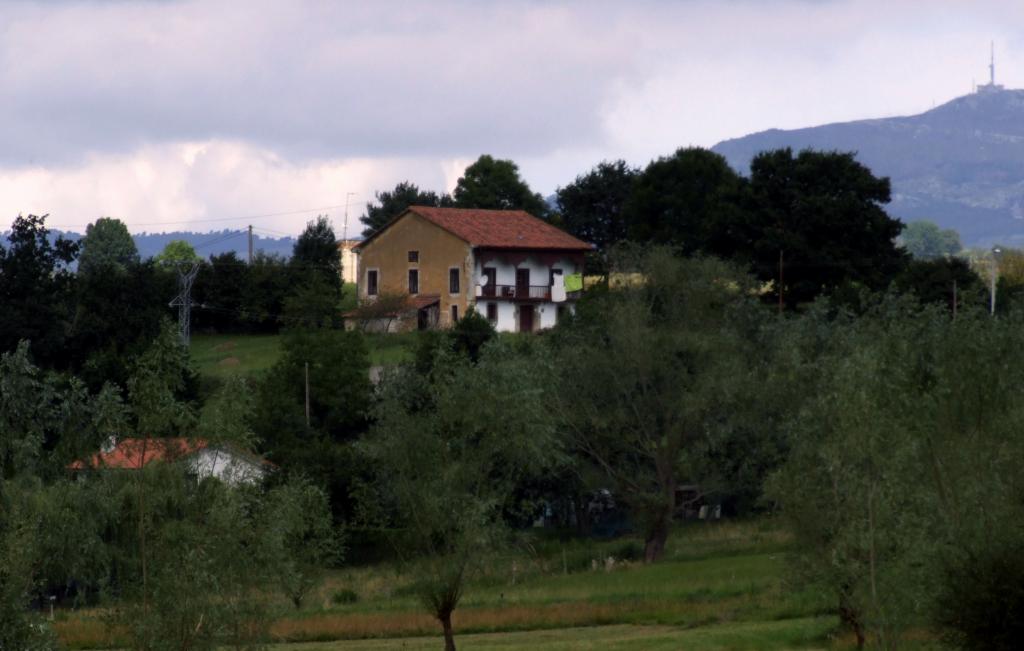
523, 283
525, 318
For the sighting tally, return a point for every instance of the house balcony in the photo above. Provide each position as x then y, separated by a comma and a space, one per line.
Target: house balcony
535, 293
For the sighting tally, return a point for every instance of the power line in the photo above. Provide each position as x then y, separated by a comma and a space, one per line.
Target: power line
225, 219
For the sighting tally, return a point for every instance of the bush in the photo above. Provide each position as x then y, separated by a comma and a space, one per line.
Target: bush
346, 596
981, 603
630, 550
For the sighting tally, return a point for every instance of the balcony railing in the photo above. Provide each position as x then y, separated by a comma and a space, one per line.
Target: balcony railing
522, 292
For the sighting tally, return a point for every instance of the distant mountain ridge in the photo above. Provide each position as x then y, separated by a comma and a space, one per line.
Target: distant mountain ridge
960, 164
205, 244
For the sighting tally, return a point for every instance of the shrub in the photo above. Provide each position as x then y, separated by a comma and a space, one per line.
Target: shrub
981, 603
629, 550
345, 596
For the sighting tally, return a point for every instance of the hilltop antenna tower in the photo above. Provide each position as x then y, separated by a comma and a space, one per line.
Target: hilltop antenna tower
183, 301
991, 86
992, 64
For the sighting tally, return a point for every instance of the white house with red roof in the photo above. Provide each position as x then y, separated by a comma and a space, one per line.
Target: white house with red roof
518, 271
202, 458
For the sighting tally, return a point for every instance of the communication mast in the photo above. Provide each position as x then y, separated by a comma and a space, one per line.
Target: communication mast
991, 86
992, 64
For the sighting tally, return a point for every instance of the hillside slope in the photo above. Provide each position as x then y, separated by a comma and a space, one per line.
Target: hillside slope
960, 164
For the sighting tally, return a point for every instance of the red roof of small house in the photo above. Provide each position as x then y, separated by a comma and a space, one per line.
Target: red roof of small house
138, 452
495, 229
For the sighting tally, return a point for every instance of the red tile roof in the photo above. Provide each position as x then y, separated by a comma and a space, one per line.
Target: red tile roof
496, 229
136, 453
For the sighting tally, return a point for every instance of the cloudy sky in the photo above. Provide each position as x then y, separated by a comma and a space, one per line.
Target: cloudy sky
219, 113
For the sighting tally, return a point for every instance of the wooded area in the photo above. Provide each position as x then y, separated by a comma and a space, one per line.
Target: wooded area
776, 355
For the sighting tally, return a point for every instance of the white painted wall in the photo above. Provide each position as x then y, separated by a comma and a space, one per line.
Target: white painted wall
227, 466
545, 314
506, 271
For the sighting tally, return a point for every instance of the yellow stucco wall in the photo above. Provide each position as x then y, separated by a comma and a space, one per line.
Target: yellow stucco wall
438, 249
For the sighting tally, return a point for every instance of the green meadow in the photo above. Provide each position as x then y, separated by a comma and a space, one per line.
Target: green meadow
721, 586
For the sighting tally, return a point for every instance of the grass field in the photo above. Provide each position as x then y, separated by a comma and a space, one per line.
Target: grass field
805, 633
720, 587
219, 356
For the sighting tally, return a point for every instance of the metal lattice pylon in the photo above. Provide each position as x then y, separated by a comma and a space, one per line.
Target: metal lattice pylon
183, 301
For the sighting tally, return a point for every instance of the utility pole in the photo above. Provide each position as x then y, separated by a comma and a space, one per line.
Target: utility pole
307, 394
250, 245
344, 230
780, 282
995, 272
954, 300
183, 301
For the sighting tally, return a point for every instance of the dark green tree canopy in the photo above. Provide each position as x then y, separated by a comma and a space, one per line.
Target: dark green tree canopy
107, 244
823, 211
931, 281
35, 289
592, 206
686, 199
315, 255
495, 184
393, 202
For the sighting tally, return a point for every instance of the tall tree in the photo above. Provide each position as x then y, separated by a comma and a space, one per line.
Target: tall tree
107, 244
649, 373
393, 202
35, 289
495, 184
444, 470
315, 256
220, 288
118, 312
686, 200
592, 206
820, 217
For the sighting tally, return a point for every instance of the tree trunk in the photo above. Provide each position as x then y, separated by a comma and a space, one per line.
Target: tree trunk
657, 535
449, 636
660, 523
849, 617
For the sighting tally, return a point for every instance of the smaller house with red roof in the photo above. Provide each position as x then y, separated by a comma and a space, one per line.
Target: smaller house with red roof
203, 459
429, 265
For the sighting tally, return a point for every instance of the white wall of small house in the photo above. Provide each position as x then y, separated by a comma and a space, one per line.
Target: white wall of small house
224, 465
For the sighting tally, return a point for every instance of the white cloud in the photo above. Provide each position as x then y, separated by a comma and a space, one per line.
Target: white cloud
209, 185
200, 110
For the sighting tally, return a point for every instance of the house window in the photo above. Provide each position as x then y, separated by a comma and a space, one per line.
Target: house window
453, 280
414, 256
414, 281
371, 282
551, 276
455, 313
492, 312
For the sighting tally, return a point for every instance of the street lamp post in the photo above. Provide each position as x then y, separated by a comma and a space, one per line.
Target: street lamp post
995, 272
